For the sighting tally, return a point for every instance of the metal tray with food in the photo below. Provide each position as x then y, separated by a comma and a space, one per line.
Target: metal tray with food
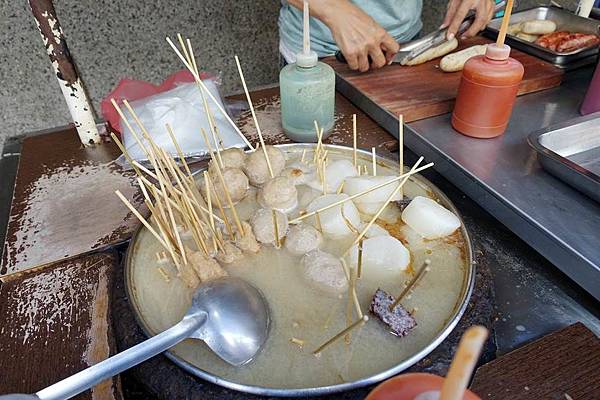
565, 22
571, 152
302, 314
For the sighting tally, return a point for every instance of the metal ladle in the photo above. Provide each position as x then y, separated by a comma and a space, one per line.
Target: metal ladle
228, 314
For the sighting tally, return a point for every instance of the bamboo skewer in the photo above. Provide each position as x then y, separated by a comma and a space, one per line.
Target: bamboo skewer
354, 295
276, 229
203, 86
387, 201
413, 282
401, 148
354, 196
142, 219
359, 261
209, 203
258, 131
463, 363
374, 161
360, 321
236, 217
505, 21
354, 144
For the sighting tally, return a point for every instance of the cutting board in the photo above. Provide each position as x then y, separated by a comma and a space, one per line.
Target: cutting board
563, 365
424, 91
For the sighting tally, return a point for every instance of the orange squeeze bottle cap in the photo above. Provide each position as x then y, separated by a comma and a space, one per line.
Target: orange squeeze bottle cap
498, 53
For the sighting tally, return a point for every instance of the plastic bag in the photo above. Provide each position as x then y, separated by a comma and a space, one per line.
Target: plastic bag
178, 103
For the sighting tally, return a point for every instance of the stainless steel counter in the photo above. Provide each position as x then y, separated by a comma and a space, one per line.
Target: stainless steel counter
504, 177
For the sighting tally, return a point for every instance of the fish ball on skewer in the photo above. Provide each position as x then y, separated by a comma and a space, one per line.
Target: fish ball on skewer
256, 167
303, 238
205, 267
278, 193
430, 219
299, 173
332, 220
325, 272
235, 181
263, 227
247, 242
383, 257
232, 158
229, 254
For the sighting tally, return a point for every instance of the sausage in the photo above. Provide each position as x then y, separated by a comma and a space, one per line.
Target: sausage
538, 27
435, 52
456, 61
576, 41
551, 40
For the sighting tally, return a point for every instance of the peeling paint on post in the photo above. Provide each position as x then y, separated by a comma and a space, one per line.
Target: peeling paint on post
68, 79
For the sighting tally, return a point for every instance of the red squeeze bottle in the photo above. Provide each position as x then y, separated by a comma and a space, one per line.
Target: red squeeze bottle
487, 92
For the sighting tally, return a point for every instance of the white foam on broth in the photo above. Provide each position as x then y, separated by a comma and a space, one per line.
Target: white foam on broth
300, 311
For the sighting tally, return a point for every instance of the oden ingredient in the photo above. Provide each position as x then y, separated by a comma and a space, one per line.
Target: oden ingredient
456, 61
538, 27
435, 52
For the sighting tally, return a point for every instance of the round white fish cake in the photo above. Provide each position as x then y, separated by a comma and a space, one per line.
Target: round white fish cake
256, 167
279, 193
383, 257
335, 173
430, 219
263, 225
332, 221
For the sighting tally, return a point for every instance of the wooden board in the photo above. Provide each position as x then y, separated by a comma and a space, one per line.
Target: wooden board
424, 90
64, 202
564, 365
55, 321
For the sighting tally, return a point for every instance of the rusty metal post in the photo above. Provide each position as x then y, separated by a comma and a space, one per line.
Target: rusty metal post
66, 73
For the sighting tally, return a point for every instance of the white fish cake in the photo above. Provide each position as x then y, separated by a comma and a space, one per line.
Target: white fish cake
231, 158
358, 184
299, 172
332, 220
435, 52
374, 230
430, 219
538, 27
335, 173
383, 257
325, 272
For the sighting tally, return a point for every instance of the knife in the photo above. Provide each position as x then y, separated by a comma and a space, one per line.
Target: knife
410, 50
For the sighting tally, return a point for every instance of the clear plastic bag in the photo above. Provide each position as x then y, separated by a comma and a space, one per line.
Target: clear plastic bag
178, 103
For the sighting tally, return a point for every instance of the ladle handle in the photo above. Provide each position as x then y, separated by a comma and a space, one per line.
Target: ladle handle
95, 374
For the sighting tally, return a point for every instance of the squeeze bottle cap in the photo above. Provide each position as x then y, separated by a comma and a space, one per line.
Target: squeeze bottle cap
498, 53
306, 60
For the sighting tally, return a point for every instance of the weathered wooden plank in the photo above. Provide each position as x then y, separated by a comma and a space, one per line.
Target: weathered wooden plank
424, 90
55, 321
64, 202
564, 365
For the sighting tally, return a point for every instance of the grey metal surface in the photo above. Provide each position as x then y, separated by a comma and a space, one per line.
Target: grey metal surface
504, 176
571, 152
420, 353
565, 21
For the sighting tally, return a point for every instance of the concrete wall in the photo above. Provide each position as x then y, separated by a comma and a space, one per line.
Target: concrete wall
110, 40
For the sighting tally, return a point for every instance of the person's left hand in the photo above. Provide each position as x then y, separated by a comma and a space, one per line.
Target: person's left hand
457, 11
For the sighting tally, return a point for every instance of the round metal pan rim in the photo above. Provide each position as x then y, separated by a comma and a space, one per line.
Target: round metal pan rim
324, 390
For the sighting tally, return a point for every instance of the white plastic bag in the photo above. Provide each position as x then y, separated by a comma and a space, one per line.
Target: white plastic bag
182, 108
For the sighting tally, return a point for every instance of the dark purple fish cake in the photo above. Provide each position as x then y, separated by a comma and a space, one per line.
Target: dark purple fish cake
399, 321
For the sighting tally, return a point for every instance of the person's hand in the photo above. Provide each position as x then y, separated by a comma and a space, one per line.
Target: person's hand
457, 11
359, 37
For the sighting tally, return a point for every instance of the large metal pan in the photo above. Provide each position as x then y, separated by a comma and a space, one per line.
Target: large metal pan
419, 353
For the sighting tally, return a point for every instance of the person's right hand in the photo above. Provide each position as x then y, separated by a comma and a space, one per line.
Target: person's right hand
359, 37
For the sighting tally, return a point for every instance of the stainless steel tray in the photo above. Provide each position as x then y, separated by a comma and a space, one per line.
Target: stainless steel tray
565, 21
571, 152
